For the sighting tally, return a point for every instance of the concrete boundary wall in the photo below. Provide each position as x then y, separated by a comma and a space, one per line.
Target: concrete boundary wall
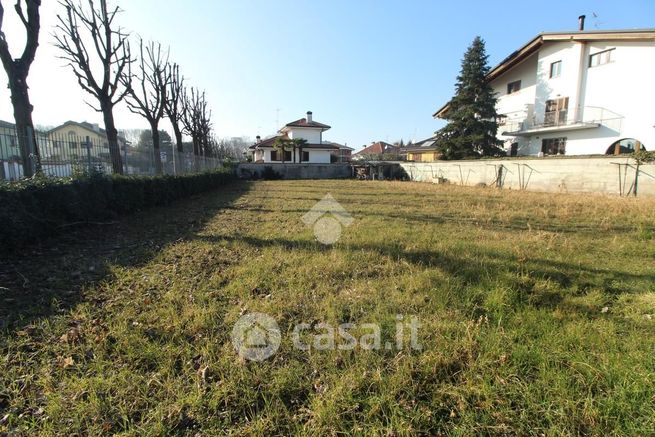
607, 175
297, 171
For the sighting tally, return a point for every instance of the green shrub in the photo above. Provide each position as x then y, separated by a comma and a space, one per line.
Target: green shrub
37, 208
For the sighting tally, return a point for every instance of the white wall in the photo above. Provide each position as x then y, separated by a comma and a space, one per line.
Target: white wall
313, 136
625, 86
619, 95
315, 156
319, 156
554, 174
516, 102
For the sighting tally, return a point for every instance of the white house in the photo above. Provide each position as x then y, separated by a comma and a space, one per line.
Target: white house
577, 93
315, 151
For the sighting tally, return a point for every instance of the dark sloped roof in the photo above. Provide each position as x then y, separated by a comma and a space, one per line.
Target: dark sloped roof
379, 148
426, 144
85, 124
310, 124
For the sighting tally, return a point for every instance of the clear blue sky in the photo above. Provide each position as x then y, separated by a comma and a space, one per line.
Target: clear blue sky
372, 69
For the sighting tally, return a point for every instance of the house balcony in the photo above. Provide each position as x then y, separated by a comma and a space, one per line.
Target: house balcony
572, 119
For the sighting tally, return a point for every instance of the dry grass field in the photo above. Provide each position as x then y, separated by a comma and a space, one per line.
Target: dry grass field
537, 316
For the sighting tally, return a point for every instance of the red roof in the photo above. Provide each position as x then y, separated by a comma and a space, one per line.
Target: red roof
379, 148
304, 123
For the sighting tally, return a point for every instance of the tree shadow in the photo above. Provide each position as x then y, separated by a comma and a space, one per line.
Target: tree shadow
47, 278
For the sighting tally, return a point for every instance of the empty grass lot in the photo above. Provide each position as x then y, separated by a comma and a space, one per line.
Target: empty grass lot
537, 316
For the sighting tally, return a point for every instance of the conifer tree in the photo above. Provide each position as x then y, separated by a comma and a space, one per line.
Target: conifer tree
472, 118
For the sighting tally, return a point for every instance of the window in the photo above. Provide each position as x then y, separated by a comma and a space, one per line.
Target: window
513, 87
628, 145
274, 155
556, 111
305, 156
287, 155
72, 145
555, 69
553, 146
600, 58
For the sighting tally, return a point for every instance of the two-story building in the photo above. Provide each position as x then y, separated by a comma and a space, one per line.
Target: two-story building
314, 151
68, 141
577, 93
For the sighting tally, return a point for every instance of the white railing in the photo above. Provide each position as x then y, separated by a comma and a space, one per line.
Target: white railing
520, 122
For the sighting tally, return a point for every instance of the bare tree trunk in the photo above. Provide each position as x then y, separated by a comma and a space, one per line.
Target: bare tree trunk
156, 152
178, 138
29, 148
112, 138
17, 69
196, 152
180, 147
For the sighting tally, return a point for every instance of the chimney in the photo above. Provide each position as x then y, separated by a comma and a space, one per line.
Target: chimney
581, 22
309, 116
259, 139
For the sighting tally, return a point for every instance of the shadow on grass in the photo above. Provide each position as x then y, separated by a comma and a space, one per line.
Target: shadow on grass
50, 277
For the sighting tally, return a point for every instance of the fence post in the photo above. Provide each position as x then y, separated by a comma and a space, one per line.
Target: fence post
30, 147
127, 169
87, 144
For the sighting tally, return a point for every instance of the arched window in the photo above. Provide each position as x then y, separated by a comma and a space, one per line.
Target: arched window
71, 133
626, 145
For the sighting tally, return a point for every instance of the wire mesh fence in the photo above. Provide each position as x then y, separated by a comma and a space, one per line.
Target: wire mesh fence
68, 154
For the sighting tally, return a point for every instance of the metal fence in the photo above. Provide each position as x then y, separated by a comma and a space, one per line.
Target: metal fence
64, 155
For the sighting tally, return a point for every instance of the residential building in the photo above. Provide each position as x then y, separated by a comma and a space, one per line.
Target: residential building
342, 154
423, 151
10, 168
577, 93
8, 141
315, 151
68, 140
378, 150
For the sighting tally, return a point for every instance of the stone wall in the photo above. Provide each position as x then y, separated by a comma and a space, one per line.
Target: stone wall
607, 175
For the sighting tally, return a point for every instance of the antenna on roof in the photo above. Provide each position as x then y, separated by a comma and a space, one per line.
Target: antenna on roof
597, 23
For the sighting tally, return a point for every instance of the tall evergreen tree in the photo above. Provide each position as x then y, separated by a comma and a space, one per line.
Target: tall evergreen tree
472, 118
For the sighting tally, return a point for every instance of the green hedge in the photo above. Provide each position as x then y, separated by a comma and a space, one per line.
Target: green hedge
34, 209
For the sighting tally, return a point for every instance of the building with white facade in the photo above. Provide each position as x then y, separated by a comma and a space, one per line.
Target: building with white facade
314, 151
577, 93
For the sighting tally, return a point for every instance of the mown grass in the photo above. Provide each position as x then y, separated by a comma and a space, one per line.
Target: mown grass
537, 316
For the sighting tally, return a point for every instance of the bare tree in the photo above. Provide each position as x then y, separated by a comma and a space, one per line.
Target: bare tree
112, 50
17, 70
174, 104
196, 119
147, 91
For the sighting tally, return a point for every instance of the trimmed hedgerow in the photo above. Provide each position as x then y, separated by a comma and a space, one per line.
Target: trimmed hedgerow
37, 208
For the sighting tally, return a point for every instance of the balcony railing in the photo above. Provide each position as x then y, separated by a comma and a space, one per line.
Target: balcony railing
519, 123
